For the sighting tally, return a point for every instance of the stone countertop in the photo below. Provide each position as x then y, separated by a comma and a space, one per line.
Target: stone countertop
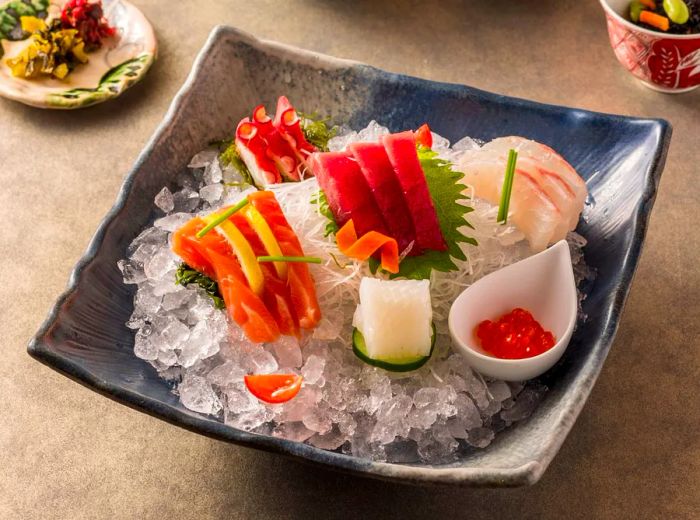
68, 453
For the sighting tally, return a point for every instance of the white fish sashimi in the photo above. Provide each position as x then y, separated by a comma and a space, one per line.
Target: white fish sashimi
548, 195
395, 317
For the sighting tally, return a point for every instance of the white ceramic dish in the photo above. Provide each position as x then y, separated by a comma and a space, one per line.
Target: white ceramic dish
543, 284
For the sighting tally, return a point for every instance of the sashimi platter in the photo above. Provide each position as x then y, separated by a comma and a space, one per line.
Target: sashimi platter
391, 296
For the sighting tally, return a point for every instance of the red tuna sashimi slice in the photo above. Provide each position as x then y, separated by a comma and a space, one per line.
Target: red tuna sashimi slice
302, 287
387, 192
348, 194
212, 256
401, 149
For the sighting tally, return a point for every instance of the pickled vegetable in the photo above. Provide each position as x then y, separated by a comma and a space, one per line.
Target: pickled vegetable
88, 19
52, 52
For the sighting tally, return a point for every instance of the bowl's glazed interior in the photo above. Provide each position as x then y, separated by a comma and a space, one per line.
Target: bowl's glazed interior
620, 158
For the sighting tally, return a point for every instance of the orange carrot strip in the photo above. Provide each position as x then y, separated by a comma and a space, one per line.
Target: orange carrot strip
649, 3
655, 20
367, 245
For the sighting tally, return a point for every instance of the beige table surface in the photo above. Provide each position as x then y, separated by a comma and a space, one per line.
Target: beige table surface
66, 452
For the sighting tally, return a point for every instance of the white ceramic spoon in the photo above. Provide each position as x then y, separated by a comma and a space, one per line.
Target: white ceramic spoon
543, 284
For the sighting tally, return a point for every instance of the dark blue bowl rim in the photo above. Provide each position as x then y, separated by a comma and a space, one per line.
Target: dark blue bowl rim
526, 474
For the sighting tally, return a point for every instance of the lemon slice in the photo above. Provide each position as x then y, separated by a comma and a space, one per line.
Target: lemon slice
262, 228
243, 251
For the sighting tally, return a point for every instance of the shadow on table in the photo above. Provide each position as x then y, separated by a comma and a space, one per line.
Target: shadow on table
277, 487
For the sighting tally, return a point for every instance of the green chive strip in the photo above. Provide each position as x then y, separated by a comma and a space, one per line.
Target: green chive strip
507, 189
301, 259
224, 216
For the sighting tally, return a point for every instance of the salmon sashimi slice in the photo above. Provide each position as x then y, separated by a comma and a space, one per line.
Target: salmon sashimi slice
186, 245
302, 288
276, 293
548, 195
349, 196
386, 190
245, 307
278, 300
212, 256
401, 150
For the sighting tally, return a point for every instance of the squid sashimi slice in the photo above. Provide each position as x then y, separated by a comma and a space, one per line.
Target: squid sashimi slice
302, 288
395, 317
276, 294
346, 189
401, 149
386, 190
548, 195
212, 255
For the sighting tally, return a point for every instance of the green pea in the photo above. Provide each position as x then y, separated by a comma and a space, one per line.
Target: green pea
676, 10
635, 9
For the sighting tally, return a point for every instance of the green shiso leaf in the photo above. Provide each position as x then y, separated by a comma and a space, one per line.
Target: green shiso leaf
325, 210
316, 130
185, 275
450, 205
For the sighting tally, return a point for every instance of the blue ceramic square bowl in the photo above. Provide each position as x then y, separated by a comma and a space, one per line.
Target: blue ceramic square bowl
620, 157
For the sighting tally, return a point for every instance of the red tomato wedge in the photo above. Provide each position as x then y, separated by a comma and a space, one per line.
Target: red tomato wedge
274, 388
424, 137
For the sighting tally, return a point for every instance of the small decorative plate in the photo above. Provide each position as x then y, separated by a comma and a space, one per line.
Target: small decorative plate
120, 63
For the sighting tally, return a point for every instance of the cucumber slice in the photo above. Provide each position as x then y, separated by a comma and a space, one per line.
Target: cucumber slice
359, 347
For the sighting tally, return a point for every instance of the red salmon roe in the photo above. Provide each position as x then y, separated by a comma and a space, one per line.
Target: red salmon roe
515, 335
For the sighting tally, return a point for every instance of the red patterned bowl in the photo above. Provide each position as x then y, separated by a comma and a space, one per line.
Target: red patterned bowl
664, 62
